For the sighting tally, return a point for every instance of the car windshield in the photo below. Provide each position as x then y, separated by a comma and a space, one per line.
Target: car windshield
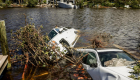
52, 34
115, 58
57, 30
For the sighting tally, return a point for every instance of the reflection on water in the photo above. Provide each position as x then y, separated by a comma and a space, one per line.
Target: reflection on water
122, 24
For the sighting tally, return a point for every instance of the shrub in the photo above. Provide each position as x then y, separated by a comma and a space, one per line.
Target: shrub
25, 1
135, 4
109, 4
136, 71
7, 3
32, 3
0, 1
3, 5
44, 1
90, 5
85, 3
119, 3
80, 4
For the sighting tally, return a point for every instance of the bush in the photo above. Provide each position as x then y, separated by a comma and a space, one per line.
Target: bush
119, 3
32, 3
135, 4
136, 71
85, 3
25, 1
90, 5
32, 43
3, 5
0, 1
80, 4
7, 3
44, 1
109, 4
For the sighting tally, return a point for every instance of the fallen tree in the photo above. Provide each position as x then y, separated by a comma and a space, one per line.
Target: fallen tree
38, 53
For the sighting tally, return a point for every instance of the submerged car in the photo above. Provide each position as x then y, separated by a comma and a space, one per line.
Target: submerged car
107, 64
61, 36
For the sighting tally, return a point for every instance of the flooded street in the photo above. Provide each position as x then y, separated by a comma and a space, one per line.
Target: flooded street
122, 24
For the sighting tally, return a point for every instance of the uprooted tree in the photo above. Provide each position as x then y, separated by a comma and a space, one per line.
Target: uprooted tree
37, 52
34, 46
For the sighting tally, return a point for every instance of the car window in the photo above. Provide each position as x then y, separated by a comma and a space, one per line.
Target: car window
89, 59
84, 60
57, 30
115, 57
52, 34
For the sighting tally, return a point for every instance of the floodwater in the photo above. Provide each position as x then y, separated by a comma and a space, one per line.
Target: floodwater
122, 24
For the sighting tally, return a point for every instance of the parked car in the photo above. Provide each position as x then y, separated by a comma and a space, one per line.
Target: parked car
107, 64
61, 36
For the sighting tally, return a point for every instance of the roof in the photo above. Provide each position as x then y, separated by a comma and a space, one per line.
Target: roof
108, 49
102, 49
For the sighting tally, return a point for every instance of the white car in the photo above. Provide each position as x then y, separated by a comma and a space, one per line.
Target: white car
107, 64
63, 35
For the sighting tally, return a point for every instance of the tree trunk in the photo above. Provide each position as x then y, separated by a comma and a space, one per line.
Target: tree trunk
56, 2
19, 1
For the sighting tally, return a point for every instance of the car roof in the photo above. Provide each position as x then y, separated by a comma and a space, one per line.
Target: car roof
108, 49
102, 49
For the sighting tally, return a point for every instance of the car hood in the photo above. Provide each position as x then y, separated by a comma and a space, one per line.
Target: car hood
122, 70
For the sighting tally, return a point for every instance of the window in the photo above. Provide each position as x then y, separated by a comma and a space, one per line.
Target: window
57, 30
89, 59
84, 58
107, 56
52, 34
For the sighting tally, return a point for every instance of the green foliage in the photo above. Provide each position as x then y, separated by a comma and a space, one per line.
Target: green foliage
32, 42
90, 5
85, 3
25, 1
136, 71
32, 3
135, 4
0, 1
119, 3
109, 4
44, 1
80, 3
8, 2
3, 5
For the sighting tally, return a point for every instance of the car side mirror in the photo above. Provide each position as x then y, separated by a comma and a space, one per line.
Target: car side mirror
60, 31
93, 65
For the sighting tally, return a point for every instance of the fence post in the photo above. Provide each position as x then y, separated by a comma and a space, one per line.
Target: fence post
3, 40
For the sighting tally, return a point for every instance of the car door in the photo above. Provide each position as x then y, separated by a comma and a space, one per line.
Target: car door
91, 66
